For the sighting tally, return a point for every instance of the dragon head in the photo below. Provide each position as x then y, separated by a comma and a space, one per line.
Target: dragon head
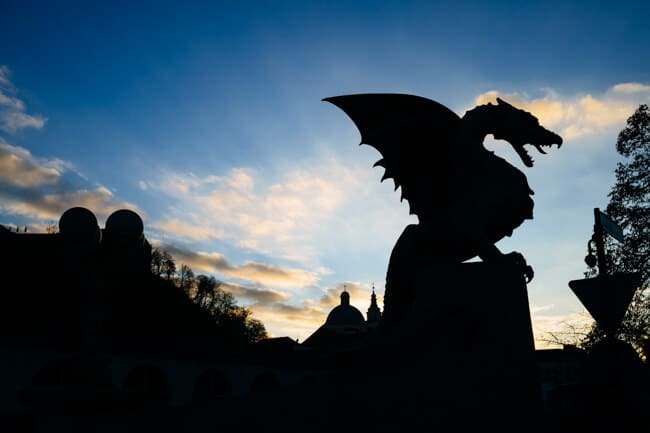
519, 128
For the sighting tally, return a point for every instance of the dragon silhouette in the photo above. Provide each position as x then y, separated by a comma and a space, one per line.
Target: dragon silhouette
465, 197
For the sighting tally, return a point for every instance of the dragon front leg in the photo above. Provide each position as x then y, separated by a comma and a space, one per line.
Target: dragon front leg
492, 253
520, 262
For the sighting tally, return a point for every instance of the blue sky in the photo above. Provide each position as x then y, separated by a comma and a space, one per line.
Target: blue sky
207, 119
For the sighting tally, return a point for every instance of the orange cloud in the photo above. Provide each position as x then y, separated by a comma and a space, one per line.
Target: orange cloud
19, 168
277, 219
188, 230
258, 273
579, 116
51, 206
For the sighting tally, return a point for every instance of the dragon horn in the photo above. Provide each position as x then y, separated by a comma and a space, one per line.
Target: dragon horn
502, 102
380, 163
387, 175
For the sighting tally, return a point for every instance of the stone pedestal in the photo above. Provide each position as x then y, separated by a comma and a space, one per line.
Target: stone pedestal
465, 356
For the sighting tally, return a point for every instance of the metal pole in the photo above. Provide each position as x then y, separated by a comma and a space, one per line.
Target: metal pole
600, 244
608, 326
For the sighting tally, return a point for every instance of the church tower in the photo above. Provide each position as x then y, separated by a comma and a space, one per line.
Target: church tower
373, 314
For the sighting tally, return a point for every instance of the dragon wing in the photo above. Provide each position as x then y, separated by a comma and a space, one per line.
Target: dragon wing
415, 137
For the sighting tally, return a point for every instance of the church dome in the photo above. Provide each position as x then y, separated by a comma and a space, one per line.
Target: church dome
344, 327
345, 315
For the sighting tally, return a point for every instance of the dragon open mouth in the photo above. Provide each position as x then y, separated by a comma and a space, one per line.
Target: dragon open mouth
525, 156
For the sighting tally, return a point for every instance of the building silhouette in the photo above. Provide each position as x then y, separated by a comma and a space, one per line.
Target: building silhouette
345, 326
86, 326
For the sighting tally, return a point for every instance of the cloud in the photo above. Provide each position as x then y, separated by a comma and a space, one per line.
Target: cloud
183, 229
282, 313
282, 212
258, 273
12, 110
579, 116
4, 76
359, 295
20, 168
41, 188
259, 296
37, 188
34, 204
281, 319
268, 275
631, 88
284, 220
279, 218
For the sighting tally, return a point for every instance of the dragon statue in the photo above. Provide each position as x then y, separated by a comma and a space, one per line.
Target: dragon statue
465, 197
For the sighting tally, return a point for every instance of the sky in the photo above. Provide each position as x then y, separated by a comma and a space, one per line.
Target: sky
207, 119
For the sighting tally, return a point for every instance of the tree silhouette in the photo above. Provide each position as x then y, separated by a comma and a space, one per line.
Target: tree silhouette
205, 290
168, 266
156, 261
223, 308
185, 279
51, 228
255, 330
629, 203
629, 206
162, 263
234, 322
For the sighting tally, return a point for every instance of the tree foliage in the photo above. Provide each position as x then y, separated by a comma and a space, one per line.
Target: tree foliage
223, 308
629, 203
233, 321
168, 266
629, 206
156, 261
185, 279
51, 228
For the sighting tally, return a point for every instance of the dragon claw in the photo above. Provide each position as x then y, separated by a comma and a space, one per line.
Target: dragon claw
529, 274
519, 261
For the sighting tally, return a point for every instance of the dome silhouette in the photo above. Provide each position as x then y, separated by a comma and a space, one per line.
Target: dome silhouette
345, 315
79, 223
125, 224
